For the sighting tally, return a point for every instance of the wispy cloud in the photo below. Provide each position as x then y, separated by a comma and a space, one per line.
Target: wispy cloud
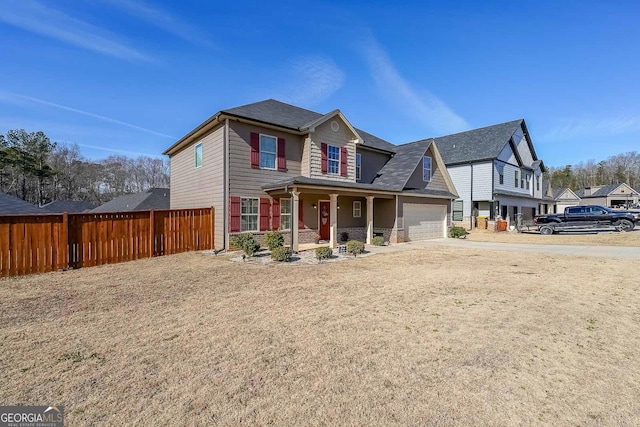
110, 150
37, 18
13, 97
576, 128
311, 79
422, 105
163, 20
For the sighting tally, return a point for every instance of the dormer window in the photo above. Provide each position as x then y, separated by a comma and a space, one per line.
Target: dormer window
426, 169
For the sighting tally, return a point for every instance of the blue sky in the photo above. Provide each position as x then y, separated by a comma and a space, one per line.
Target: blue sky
132, 76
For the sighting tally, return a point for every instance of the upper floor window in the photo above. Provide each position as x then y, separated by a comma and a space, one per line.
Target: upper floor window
538, 183
517, 179
268, 151
199, 155
358, 166
522, 180
426, 168
500, 170
528, 178
333, 159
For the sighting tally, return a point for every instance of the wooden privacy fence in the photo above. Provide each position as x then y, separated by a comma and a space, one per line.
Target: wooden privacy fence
41, 243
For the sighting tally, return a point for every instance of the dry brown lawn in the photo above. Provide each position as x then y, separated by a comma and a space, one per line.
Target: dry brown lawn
606, 238
440, 336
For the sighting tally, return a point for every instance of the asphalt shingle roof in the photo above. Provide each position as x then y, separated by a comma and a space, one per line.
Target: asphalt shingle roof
154, 198
600, 192
397, 171
292, 117
69, 206
557, 192
477, 144
10, 205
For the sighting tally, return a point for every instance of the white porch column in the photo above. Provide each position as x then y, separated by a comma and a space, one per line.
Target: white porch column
369, 219
333, 221
294, 220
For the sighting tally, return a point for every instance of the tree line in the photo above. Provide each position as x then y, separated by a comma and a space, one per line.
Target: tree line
621, 168
37, 170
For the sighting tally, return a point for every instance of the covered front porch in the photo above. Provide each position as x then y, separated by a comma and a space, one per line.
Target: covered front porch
335, 214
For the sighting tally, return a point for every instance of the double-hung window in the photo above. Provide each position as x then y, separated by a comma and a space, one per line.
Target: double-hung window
249, 214
528, 178
268, 151
358, 166
285, 214
521, 180
199, 155
537, 183
333, 160
517, 178
426, 169
357, 209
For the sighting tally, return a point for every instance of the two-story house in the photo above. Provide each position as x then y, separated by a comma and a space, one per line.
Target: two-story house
495, 170
273, 166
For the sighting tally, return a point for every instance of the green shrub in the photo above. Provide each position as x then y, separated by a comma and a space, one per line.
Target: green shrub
273, 239
323, 253
457, 232
378, 241
281, 254
246, 242
355, 247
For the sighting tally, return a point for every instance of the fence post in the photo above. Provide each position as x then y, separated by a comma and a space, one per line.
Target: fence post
63, 258
152, 232
213, 228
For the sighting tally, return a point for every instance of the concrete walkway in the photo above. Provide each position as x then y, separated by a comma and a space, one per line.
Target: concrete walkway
620, 252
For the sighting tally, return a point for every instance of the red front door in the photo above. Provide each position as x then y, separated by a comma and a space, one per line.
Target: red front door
323, 219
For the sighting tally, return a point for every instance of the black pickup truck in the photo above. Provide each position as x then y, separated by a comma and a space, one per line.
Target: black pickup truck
589, 216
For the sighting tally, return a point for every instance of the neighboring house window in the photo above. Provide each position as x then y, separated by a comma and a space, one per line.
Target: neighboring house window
517, 178
249, 214
358, 166
357, 209
521, 180
333, 159
426, 168
457, 210
501, 176
199, 155
500, 169
538, 183
268, 151
285, 214
527, 180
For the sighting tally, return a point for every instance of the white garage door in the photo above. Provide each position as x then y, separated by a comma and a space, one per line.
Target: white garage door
422, 222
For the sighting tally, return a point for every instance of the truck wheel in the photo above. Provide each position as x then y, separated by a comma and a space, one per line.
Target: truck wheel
624, 225
546, 230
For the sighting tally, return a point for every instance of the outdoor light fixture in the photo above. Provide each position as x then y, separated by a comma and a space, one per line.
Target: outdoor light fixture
315, 206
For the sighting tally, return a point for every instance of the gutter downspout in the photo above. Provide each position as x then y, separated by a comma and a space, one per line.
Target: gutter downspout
225, 233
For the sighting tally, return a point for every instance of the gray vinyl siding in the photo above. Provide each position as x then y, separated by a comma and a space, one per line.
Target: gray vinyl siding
437, 179
306, 157
372, 162
341, 138
244, 181
461, 177
523, 147
482, 181
193, 187
509, 180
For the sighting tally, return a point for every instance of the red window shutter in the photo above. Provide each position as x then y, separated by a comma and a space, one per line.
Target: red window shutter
255, 150
282, 160
300, 210
265, 206
275, 214
323, 151
234, 214
343, 161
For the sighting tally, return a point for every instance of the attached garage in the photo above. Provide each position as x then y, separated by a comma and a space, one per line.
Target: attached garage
424, 221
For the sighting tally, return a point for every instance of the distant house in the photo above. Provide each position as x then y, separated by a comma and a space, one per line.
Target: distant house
612, 195
154, 198
563, 198
10, 205
69, 206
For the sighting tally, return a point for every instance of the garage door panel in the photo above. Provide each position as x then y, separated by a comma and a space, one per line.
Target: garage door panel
422, 222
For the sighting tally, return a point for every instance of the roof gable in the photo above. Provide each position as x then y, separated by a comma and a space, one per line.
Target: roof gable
478, 144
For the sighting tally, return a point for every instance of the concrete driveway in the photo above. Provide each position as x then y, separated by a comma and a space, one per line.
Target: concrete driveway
621, 252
